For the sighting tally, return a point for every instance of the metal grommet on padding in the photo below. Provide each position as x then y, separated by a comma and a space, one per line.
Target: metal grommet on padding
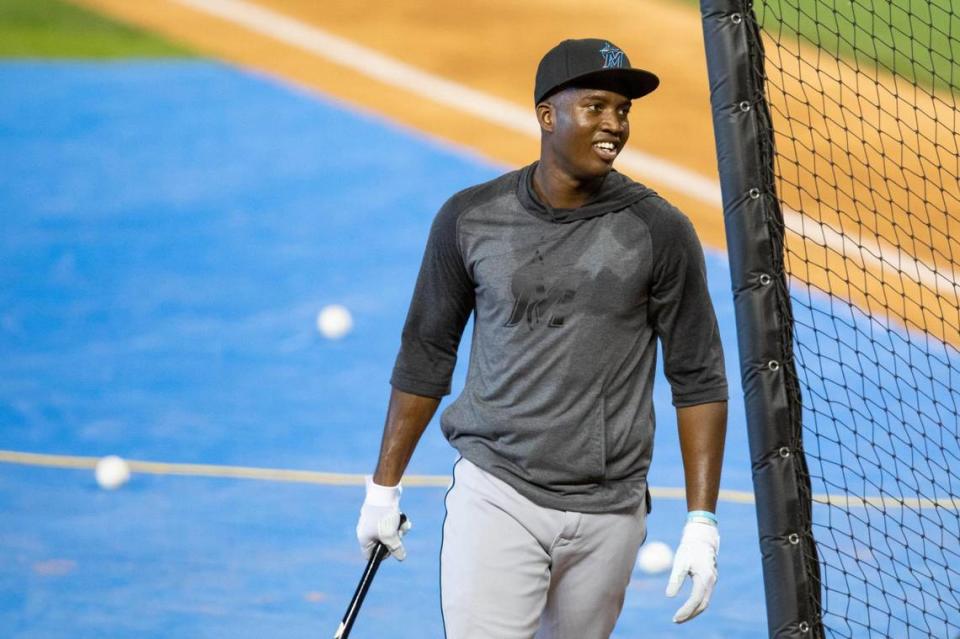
773, 365
803, 627
744, 106
784, 452
736, 18
754, 193
765, 279
793, 538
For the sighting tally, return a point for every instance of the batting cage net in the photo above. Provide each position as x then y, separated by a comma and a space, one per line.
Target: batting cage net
860, 123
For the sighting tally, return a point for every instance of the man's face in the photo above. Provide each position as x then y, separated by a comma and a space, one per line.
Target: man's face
590, 128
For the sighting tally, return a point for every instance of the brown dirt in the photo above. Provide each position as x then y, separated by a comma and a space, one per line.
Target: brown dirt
490, 45
878, 159
866, 151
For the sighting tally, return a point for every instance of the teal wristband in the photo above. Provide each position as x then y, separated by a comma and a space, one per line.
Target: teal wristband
702, 516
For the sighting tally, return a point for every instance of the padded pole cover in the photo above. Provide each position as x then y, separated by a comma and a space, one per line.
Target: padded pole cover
755, 243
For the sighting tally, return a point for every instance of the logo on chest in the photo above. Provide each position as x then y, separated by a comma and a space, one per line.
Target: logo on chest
542, 296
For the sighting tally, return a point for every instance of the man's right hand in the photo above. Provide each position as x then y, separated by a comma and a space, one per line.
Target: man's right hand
380, 520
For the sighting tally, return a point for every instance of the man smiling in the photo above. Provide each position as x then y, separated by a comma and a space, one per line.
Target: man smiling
572, 272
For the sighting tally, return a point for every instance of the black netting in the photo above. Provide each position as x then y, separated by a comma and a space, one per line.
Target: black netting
863, 105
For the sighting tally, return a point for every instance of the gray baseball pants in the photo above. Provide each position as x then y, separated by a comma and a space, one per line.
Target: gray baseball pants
510, 569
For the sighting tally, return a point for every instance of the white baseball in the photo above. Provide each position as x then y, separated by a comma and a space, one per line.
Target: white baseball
334, 321
655, 557
112, 472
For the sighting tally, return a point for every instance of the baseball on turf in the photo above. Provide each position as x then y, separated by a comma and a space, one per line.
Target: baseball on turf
655, 557
334, 321
112, 472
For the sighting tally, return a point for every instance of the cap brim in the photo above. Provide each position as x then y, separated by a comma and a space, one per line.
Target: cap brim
630, 83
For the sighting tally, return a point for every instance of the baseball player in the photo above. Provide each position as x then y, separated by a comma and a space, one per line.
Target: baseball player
573, 272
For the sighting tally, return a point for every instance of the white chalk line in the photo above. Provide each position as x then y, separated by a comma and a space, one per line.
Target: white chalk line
278, 474
865, 253
429, 86
872, 255
75, 462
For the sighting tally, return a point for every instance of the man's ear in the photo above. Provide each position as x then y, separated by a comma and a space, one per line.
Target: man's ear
546, 116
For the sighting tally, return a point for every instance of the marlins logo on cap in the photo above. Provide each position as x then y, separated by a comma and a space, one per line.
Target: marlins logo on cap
612, 56
590, 63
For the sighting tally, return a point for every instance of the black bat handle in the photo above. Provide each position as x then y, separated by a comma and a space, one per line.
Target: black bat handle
379, 553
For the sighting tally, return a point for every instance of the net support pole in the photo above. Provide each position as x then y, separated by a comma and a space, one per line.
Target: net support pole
755, 236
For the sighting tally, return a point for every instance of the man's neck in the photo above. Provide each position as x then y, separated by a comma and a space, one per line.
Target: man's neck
560, 190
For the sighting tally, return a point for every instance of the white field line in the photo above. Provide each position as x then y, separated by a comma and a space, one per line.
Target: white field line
406, 77
913, 503
210, 470
279, 474
872, 254
437, 481
390, 71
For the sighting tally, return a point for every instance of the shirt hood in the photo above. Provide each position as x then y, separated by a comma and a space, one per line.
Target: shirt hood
616, 193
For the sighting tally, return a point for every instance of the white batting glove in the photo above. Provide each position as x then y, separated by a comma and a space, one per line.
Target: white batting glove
696, 556
380, 520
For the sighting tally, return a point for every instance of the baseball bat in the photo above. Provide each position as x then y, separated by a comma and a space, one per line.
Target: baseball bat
379, 553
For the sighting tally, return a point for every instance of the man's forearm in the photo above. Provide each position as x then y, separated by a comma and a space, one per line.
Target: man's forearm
407, 418
703, 430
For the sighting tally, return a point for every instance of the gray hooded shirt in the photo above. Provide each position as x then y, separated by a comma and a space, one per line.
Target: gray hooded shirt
568, 304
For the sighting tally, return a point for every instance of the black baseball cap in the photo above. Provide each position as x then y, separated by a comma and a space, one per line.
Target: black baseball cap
590, 64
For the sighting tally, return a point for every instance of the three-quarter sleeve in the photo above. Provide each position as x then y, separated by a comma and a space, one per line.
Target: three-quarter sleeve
682, 314
442, 302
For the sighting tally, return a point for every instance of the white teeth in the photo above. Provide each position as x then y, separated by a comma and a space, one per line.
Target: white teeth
606, 146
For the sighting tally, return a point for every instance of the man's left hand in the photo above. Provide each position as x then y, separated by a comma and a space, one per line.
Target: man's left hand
696, 556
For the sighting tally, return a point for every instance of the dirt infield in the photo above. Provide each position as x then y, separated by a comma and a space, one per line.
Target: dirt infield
876, 159
867, 150
493, 46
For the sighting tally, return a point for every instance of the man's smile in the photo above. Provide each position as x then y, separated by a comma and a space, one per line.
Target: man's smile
607, 150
